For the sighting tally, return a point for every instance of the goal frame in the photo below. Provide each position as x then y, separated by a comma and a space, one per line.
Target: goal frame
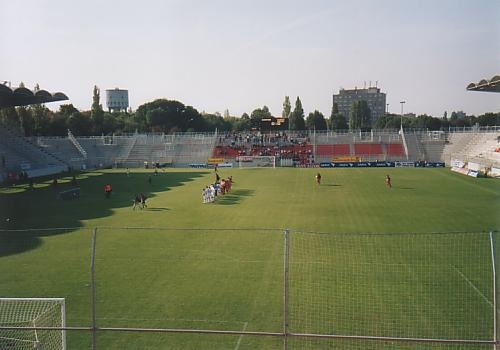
60, 301
250, 159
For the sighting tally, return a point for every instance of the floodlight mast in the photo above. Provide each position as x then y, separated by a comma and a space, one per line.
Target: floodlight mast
402, 104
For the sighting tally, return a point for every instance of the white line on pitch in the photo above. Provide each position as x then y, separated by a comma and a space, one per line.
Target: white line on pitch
163, 319
473, 286
241, 336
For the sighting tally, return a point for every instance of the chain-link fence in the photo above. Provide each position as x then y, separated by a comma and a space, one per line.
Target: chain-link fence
159, 288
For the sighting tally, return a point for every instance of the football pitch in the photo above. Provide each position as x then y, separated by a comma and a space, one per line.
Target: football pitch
358, 259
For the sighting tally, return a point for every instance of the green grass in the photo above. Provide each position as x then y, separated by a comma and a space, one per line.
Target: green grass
364, 259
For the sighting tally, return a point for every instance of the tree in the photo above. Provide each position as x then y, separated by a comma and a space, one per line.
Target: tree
96, 112
41, 116
193, 119
388, 121
287, 108
297, 117
9, 117
239, 124
337, 120
80, 124
360, 116
67, 110
128, 122
26, 121
213, 121
489, 119
425, 121
111, 123
57, 125
166, 116
259, 114
316, 120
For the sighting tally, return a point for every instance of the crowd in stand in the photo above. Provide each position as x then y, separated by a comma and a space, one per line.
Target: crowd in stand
240, 139
279, 145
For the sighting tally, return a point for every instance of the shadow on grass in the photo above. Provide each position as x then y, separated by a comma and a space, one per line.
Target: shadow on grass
22, 209
234, 197
156, 209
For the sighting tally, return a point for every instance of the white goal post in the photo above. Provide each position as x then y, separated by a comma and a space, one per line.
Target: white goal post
256, 161
22, 323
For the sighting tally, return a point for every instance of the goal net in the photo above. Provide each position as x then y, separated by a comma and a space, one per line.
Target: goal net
22, 323
256, 161
405, 286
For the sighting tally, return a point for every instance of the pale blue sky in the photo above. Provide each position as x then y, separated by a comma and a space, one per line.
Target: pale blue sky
241, 55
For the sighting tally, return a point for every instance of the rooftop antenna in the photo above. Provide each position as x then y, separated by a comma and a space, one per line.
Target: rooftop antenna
364, 85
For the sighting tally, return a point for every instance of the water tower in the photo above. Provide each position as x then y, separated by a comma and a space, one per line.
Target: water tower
117, 100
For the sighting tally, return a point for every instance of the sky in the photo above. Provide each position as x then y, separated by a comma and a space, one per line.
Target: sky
241, 55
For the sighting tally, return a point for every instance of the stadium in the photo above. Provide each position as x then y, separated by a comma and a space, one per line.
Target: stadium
276, 261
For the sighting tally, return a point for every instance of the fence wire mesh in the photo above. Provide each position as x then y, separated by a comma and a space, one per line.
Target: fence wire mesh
161, 288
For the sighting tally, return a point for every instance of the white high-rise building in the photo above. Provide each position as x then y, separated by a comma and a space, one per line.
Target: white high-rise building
373, 97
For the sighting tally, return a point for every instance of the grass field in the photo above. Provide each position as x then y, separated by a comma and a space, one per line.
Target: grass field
411, 261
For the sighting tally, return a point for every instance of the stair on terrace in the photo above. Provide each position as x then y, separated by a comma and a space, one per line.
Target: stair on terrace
20, 153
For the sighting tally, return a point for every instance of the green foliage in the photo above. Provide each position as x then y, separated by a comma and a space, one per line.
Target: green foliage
238, 124
171, 116
9, 117
58, 125
214, 121
337, 120
489, 119
287, 108
257, 115
26, 121
41, 116
388, 121
359, 116
297, 121
80, 124
67, 110
97, 113
316, 121
425, 122
167, 116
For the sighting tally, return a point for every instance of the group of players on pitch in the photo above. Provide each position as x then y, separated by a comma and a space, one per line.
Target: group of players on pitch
219, 187
139, 201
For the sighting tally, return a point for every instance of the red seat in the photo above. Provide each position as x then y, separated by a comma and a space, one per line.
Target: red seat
395, 149
333, 150
368, 149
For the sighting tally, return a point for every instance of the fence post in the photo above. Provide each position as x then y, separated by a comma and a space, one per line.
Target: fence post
93, 288
285, 289
494, 275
